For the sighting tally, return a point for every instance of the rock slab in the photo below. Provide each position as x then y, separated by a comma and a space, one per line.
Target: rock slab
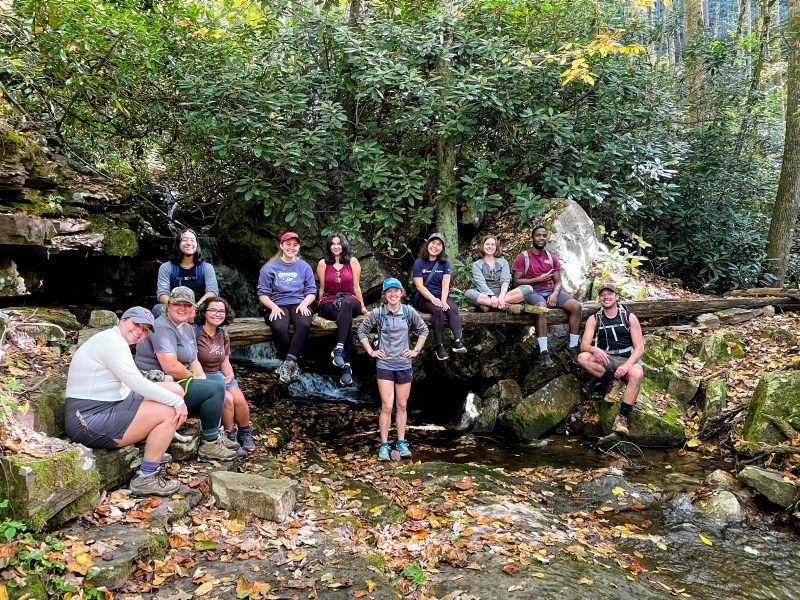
271, 499
771, 484
543, 410
776, 395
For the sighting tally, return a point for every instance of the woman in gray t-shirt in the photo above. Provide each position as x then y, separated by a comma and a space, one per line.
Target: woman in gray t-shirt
492, 277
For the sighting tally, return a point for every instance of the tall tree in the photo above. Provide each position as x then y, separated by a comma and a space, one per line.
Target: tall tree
787, 202
695, 26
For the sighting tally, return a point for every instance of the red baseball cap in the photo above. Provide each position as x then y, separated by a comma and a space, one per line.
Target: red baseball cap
290, 235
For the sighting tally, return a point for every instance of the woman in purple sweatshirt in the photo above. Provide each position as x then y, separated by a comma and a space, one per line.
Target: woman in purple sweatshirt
286, 288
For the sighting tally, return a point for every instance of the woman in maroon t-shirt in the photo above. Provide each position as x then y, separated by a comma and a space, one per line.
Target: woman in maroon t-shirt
340, 298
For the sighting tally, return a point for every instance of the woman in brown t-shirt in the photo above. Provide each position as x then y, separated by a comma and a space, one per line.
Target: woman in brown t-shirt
214, 354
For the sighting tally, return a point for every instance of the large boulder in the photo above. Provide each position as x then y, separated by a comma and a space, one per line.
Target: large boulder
60, 483
721, 347
245, 493
487, 417
776, 395
46, 412
543, 410
574, 241
773, 485
656, 420
721, 507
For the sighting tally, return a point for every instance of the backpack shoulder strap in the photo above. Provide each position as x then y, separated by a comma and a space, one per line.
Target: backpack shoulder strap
200, 270
173, 275
626, 318
527, 263
432, 273
198, 332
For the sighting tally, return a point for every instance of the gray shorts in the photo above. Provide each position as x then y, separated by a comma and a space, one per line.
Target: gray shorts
97, 424
540, 297
615, 362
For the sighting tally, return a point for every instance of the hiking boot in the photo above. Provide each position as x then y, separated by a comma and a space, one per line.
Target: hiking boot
338, 356
573, 352
155, 484
403, 449
215, 451
383, 453
514, 309
166, 458
458, 346
347, 375
441, 353
545, 359
613, 390
620, 425
246, 441
229, 442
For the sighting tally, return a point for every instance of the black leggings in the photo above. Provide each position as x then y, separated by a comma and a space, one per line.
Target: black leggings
280, 331
350, 307
438, 316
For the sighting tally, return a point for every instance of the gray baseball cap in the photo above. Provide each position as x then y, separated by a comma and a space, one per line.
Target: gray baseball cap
437, 235
139, 315
608, 286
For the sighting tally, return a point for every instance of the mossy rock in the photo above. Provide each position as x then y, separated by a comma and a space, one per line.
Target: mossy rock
445, 475
627, 287
39, 488
47, 409
543, 410
34, 589
777, 395
648, 423
716, 399
661, 357
57, 316
721, 347
120, 242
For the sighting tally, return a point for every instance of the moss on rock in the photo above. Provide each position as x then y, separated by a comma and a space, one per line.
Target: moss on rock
721, 347
543, 410
650, 424
776, 395
120, 242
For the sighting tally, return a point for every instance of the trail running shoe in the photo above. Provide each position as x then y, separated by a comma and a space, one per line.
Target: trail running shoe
441, 353
403, 449
283, 373
573, 352
246, 440
614, 388
229, 442
294, 370
338, 356
383, 453
545, 359
458, 346
347, 375
155, 484
621, 425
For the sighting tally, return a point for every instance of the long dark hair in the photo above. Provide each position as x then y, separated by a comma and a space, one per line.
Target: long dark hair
329, 258
200, 313
175, 254
423, 251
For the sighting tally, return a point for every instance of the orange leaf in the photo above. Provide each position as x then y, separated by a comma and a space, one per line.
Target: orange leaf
465, 484
511, 569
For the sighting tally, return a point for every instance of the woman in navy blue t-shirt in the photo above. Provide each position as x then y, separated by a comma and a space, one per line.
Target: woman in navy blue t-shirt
432, 280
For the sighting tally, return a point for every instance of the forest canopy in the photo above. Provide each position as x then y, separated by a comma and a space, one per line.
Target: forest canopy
363, 116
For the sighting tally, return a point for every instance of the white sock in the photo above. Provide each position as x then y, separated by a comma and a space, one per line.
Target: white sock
542, 343
574, 338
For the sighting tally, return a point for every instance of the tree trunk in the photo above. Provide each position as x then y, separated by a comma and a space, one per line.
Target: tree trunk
446, 208
787, 203
695, 76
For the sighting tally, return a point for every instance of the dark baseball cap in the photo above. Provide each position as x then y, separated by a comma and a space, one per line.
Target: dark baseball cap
608, 286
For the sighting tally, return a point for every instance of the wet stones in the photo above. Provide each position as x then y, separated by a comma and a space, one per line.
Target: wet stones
773, 485
244, 493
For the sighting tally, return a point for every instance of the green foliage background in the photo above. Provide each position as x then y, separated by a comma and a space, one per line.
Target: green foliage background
329, 120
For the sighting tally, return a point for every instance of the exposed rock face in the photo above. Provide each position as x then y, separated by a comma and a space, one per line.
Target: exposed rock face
776, 395
245, 493
772, 485
716, 399
575, 243
722, 507
543, 410
11, 283
721, 347
102, 319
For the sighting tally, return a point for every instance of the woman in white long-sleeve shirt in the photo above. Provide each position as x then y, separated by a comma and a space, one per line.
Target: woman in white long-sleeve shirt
110, 404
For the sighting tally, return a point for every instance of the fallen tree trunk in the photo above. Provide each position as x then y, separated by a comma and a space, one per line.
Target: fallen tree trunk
253, 330
765, 293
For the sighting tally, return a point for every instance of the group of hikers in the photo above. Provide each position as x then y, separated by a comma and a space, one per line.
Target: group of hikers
182, 362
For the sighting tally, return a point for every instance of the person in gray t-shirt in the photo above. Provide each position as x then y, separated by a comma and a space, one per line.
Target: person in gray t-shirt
492, 277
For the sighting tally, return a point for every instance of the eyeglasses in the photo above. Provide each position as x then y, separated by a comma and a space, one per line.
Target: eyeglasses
216, 311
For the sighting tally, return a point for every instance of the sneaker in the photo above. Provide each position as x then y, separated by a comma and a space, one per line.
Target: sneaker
620, 425
441, 353
215, 451
246, 440
338, 356
573, 352
403, 449
545, 359
155, 484
458, 346
383, 453
614, 388
283, 372
166, 458
294, 370
347, 375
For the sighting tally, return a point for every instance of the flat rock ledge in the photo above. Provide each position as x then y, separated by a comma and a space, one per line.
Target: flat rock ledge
243, 493
772, 485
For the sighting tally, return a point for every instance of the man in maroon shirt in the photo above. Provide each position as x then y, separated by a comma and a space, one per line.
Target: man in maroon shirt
542, 270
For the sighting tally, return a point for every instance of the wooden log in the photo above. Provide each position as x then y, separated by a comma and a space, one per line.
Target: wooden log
253, 330
765, 293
